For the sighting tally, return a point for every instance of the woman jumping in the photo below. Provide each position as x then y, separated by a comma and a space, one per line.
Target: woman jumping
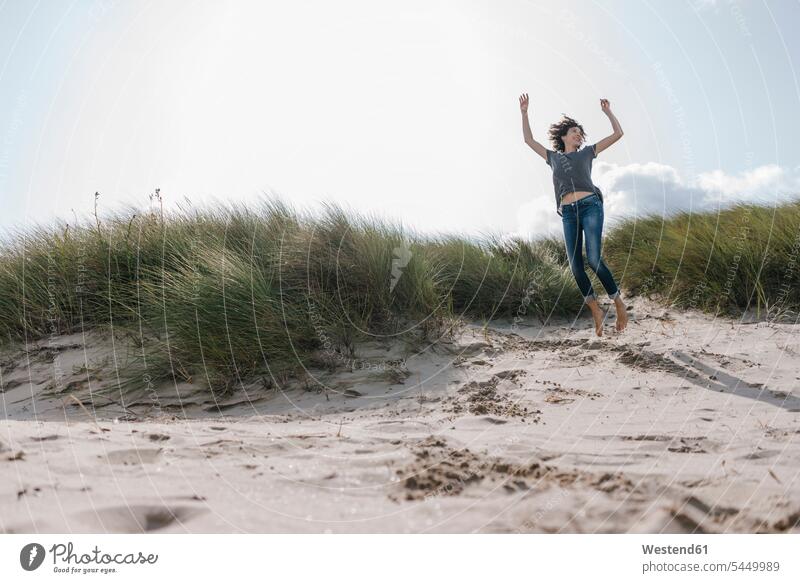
579, 202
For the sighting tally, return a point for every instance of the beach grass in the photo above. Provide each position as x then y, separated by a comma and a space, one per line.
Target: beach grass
744, 257
222, 294
226, 293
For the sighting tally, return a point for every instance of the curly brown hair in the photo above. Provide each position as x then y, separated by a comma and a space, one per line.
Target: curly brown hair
559, 129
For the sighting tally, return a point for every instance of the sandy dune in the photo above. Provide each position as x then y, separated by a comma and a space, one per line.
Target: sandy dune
683, 423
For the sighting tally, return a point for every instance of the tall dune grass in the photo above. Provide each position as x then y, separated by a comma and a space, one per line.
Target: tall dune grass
744, 257
223, 294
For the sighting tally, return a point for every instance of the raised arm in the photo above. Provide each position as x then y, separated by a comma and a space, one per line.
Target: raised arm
526, 128
608, 140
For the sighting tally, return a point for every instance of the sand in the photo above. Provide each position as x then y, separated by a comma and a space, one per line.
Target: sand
683, 423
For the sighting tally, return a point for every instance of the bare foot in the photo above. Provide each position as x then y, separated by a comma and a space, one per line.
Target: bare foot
622, 314
597, 314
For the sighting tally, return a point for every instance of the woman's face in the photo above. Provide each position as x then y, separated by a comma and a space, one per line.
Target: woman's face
574, 137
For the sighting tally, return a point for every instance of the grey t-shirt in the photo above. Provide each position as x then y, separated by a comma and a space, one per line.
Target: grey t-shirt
572, 172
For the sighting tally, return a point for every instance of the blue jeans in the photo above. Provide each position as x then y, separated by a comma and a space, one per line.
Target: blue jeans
581, 218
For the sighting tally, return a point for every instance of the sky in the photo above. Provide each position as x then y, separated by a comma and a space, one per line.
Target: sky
404, 110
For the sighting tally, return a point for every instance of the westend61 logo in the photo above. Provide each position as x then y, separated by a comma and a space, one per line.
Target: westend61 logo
32, 556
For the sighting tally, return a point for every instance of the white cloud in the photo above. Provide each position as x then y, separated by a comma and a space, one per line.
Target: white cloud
764, 179
641, 189
538, 218
637, 189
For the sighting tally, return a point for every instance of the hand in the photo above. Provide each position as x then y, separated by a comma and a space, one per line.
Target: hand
523, 103
605, 106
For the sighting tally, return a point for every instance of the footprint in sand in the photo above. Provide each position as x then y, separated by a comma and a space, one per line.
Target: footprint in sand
140, 518
405, 426
130, 457
685, 445
761, 454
